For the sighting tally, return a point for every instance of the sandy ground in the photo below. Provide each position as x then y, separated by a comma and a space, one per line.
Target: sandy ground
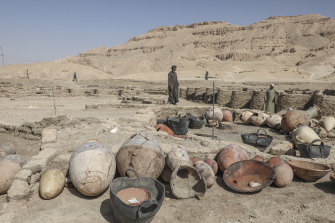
298, 202
31, 109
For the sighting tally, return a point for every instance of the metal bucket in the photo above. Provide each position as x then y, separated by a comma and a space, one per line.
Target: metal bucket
136, 200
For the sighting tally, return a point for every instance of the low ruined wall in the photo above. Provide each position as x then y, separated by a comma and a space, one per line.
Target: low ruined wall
297, 101
224, 97
255, 99
240, 99
175, 111
326, 103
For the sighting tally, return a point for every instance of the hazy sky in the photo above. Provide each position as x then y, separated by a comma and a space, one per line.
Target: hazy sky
42, 30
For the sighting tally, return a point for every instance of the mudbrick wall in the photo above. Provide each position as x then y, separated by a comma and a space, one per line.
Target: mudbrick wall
233, 98
33, 130
255, 99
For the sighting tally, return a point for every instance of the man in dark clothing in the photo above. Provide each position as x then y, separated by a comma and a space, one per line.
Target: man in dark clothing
173, 86
74, 76
206, 75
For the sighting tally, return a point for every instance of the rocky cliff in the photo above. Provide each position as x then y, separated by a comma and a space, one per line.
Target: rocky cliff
293, 47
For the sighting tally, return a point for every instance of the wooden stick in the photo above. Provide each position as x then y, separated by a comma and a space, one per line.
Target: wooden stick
213, 112
53, 96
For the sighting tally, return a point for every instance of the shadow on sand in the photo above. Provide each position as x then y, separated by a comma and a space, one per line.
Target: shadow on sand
327, 187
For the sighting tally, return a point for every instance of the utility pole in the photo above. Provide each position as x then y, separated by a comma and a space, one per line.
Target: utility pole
3, 56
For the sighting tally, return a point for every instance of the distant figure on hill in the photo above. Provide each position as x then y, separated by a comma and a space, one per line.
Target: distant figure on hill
206, 75
270, 96
74, 76
173, 86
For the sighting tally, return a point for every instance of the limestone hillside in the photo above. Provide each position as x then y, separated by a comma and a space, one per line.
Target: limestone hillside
278, 48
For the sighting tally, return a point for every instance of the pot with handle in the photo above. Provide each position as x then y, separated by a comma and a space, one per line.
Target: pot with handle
257, 139
313, 150
136, 200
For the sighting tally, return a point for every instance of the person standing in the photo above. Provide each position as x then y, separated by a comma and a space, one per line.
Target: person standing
206, 75
270, 97
173, 86
74, 76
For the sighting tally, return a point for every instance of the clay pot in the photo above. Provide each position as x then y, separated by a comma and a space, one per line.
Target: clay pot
166, 174
258, 158
284, 174
213, 164
298, 117
212, 123
329, 123
227, 116
309, 171
206, 172
245, 116
218, 115
259, 118
164, 128
273, 161
294, 118
92, 168
284, 111
51, 184
177, 157
195, 160
8, 169
274, 121
304, 134
314, 112
231, 154
186, 182
242, 176
142, 153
